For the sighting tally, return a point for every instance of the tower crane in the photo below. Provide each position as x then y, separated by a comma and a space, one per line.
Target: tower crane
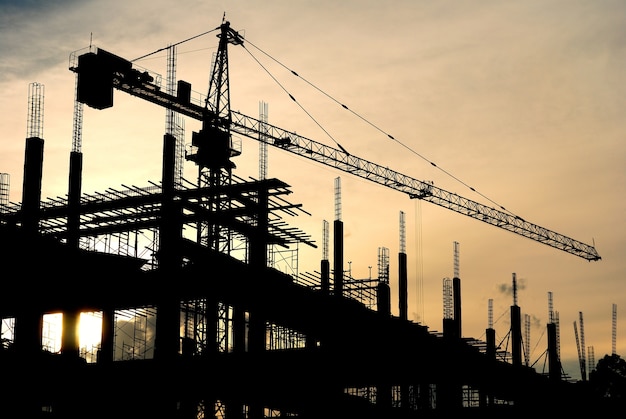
102, 72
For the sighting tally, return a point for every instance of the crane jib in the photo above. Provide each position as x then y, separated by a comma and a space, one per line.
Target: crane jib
416, 189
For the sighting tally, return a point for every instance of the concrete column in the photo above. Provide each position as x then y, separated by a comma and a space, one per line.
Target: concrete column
31, 189
403, 303
338, 257
69, 337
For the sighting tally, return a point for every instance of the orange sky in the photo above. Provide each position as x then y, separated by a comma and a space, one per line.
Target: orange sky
524, 101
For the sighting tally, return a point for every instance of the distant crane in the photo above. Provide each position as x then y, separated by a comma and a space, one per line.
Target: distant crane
213, 145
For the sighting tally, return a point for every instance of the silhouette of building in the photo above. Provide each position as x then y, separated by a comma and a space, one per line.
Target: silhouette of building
196, 320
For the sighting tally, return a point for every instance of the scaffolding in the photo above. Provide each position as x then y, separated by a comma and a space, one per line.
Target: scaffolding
5, 188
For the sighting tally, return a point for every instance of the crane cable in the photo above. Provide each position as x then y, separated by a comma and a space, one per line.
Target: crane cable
363, 119
261, 65
173, 45
292, 97
293, 72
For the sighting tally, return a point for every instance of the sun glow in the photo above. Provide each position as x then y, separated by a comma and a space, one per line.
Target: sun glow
51, 334
89, 333
90, 330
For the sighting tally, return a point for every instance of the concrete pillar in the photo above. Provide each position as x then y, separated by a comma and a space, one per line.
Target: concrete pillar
456, 293
108, 332
31, 189
73, 199
69, 337
167, 341
516, 335
554, 363
338, 258
403, 303
325, 276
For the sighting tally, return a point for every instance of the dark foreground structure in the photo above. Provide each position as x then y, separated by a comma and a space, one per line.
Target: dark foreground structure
197, 320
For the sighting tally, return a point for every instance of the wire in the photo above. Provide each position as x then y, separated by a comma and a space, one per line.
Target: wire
177, 43
294, 99
369, 123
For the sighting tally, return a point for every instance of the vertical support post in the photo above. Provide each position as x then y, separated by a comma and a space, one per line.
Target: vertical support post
105, 356
31, 189
338, 242
69, 339
325, 263
516, 327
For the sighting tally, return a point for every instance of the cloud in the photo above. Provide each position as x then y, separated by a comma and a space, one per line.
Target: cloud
536, 322
507, 288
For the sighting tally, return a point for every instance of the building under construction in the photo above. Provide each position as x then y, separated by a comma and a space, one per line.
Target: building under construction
201, 323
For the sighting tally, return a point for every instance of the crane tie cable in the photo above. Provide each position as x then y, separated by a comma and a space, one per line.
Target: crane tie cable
363, 119
294, 99
173, 45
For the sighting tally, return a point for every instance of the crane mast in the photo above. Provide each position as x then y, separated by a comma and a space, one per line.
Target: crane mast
212, 146
219, 121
